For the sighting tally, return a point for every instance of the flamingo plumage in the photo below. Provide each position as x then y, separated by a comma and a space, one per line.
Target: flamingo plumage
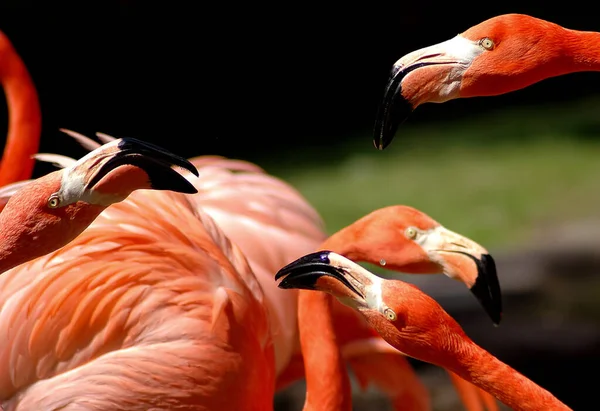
151, 307
416, 325
273, 224
497, 56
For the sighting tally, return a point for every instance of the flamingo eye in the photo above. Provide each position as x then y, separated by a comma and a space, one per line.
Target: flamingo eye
411, 233
53, 201
487, 43
390, 314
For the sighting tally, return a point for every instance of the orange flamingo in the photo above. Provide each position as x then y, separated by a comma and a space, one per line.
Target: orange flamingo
241, 199
24, 128
500, 55
416, 325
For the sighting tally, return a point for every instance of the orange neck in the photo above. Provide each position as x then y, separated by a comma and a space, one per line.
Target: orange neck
476, 365
581, 51
327, 382
24, 127
450, 348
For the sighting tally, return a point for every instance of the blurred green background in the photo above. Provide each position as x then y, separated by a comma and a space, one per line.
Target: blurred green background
494, 178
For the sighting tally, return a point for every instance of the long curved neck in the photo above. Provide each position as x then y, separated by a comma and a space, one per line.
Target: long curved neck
327, 382
582, 48
24, 128
476, 365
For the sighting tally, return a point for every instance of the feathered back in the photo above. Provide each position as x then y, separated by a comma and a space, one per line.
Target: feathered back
267, 218
270, 222
147, 271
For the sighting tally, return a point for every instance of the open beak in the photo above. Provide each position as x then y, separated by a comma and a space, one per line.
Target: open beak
403, 93
470, 263
155, 161
329, 272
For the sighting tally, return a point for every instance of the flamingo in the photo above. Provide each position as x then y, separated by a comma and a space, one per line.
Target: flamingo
500, 55
241, 198
416, 325
403, 239
24, 128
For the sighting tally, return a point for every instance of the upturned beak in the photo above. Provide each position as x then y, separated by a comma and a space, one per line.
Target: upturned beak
403, 93
465, 260
328, 272
155, 161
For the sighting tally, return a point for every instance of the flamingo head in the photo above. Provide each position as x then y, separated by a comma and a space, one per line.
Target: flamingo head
395, 309
500, 55
404, 239
47, 213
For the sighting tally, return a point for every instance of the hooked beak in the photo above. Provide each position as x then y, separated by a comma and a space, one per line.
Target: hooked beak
155, 161
329, 272
470, 263
394, 108
403, 93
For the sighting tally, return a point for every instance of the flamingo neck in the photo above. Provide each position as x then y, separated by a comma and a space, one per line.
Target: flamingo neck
24, 127
582, 50
476, 365
13, 251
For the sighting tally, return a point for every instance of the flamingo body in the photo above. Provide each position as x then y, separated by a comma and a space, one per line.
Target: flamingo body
169, 330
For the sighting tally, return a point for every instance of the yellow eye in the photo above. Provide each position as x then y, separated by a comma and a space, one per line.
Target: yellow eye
53, 201
411, 233
390, 314
487, 43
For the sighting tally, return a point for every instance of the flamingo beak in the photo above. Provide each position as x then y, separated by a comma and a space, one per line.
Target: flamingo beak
155, 161
316, 271
328, 272
394, 108
465, 260
413, 81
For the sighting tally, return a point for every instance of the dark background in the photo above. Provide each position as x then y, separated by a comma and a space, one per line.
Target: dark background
242, 81
254, 81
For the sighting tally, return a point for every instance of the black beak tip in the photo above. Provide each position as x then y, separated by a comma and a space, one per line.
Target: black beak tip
486, 302
299, 280
165, 178
487, 288
393, 111
157, 163
133, 145
304, 272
